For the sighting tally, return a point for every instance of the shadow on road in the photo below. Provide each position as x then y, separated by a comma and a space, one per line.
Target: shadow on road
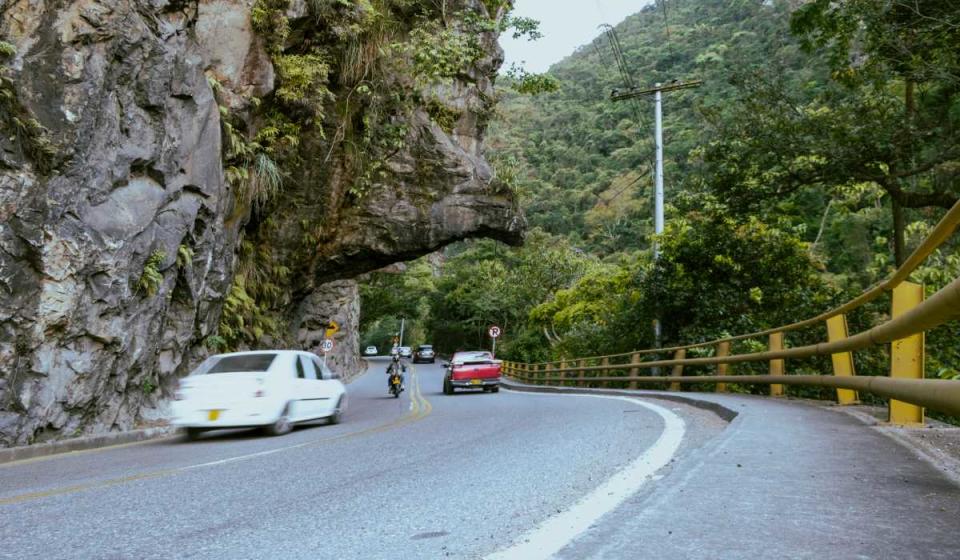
245, 434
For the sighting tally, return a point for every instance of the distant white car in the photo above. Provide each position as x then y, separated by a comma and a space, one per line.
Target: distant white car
272, 389
405, 351
370, 351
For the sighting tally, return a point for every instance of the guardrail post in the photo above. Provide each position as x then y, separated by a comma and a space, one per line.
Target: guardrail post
603, 372
563, 374
906, 355
634, 359
776, 366
677, 368
723, 350
842, 362
581, 364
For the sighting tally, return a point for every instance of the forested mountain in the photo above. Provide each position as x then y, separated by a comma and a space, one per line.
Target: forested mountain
588, 159
823, 144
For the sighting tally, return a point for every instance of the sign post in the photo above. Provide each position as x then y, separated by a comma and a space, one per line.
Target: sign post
326, 346
494, 333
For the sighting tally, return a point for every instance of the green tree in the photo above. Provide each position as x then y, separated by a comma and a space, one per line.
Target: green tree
715, 275
887, 50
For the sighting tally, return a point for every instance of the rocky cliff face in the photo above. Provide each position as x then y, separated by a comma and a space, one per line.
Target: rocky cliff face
120, 235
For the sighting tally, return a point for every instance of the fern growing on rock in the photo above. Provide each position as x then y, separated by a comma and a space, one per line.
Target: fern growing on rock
151, 278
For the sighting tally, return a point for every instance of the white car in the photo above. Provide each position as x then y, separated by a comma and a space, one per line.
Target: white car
370, 351
272, 389
405, 351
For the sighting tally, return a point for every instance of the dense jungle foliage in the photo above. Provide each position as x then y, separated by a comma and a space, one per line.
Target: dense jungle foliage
823, 145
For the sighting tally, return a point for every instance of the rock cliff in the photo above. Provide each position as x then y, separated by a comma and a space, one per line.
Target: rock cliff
136, 134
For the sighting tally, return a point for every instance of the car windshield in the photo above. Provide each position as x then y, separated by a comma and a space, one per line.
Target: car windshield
237, 363
426, 347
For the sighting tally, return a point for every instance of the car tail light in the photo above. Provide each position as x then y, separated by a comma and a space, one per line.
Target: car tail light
259, 393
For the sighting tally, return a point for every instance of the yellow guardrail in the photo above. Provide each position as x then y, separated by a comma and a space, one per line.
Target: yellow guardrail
911, 318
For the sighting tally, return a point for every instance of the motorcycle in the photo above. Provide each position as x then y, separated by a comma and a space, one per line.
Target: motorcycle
395, 386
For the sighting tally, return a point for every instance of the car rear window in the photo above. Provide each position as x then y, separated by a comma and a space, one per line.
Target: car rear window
472, 357
244, 362
426, 347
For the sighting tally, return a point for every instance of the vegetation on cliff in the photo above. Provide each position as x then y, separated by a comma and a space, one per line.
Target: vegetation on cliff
349, 76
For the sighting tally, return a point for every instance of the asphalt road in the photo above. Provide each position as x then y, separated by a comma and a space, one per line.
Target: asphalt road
423, 476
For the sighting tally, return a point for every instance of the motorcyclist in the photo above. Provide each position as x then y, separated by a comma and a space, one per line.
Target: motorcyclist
396, 366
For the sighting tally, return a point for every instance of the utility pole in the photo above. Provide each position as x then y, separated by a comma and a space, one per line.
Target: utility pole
401, 331
658, 173
657, 91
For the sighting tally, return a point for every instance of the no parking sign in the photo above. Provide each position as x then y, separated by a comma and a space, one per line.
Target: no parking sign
494, 333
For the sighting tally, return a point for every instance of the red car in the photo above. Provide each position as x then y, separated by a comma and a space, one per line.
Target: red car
472, 370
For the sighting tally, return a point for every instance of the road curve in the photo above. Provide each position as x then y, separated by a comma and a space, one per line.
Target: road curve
423, 476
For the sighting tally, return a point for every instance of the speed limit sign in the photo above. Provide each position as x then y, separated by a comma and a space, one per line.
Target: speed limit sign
326, 345
494, 331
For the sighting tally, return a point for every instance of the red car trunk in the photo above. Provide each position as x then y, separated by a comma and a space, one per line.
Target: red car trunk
475, 370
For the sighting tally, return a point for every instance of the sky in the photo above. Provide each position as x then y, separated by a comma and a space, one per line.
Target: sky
566, 25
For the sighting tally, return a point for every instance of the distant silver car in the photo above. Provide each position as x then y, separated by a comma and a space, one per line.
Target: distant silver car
370, 351
405, 351
424, 354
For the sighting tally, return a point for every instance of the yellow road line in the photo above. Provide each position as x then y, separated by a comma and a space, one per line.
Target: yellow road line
420, 410
81, 487
65, 454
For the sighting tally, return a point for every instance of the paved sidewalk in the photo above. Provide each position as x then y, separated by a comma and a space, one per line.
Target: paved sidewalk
786, 479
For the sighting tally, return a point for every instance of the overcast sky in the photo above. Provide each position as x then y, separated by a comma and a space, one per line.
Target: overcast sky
566, 25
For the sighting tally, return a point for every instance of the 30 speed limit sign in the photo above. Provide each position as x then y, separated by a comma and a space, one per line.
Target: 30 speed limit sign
494, 332
326, 345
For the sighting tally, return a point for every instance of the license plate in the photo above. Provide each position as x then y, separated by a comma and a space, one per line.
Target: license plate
476, 381
213, 415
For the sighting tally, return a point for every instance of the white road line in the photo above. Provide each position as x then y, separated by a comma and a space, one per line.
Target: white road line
248, 456
557, 531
